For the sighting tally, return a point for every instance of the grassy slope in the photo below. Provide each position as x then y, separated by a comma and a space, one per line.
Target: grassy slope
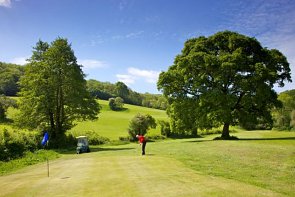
113, 124
262, 164
110, 124
255, 166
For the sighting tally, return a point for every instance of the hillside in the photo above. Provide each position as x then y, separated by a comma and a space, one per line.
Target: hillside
110, 124
114, 124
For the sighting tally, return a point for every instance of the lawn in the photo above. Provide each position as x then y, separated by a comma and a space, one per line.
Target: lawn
110, 124
114, 124
260, 164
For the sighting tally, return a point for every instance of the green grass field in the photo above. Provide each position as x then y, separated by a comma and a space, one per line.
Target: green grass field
114, 124
261, 163
110, 124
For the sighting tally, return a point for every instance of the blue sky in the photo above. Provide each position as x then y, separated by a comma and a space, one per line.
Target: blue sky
134, 40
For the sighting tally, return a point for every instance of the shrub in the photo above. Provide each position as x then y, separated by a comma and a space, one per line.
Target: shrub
155, 137
125, 139
116, 103
13, 144
140, 124
165, 128
95, 139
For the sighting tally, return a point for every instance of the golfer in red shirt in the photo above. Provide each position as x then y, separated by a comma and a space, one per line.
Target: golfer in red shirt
142, 142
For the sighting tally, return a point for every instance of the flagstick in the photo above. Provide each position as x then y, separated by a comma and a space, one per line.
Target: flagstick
47, 167
47, 160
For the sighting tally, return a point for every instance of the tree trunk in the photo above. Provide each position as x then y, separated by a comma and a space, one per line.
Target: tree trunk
225, 131
52, 125
2, 113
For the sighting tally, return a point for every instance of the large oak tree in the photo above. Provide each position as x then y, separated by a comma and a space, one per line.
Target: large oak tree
53, 90
228, 78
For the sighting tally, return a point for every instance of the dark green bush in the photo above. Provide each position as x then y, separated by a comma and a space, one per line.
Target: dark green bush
165, 128
155, 137
13, 144
125, 139
140, 124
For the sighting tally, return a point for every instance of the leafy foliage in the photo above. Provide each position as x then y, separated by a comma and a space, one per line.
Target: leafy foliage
95, 139
116, 103
284, 118
9, 77
227, 78
156, 101
5, 103
140, 124
106, 90
15, 144
165, 128
53, 90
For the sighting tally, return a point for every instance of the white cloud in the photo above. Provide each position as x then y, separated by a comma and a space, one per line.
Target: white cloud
5, 3
134, 34
134, 75
131, 35
127, 79
19, 60
149, 76
89, 64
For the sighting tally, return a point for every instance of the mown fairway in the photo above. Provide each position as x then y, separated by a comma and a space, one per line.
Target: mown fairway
262, 164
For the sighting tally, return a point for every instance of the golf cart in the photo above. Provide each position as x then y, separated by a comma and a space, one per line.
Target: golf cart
82, 145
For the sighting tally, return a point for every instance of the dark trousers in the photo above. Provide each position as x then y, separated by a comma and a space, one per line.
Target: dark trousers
143, 148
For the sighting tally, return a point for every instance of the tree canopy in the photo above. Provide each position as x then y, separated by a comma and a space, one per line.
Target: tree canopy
140, 124
227, 78
53, 90
107, 90
116, 103
9, 77
5, 103
285, 117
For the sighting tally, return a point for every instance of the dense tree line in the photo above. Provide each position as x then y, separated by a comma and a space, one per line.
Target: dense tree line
11, 73
284, 118
107, 90
9, 77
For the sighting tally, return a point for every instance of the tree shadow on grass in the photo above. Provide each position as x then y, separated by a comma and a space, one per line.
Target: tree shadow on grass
149, 154
120, 109
200, 140
277, 138
243, 139
180, 136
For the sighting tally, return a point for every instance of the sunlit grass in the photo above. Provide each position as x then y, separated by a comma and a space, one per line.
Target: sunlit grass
261, 163
29, 159
114, 124
262, 158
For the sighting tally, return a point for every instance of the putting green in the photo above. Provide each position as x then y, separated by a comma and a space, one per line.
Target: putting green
98, 174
